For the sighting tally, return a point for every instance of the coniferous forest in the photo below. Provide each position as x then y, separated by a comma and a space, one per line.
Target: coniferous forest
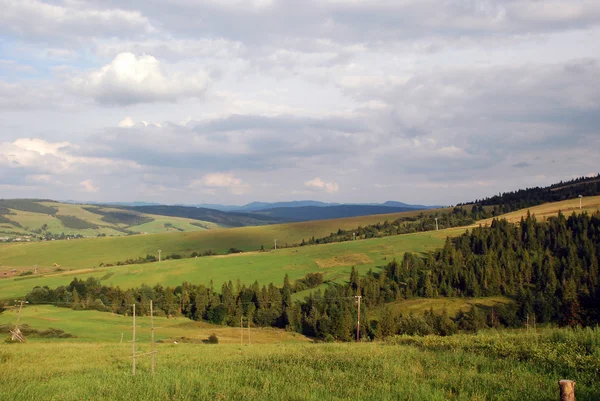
550, 269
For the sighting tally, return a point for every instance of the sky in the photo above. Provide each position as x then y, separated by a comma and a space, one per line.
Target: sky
233, 101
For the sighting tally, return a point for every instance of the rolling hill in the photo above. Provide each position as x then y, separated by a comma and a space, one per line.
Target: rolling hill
333, 260
42, 219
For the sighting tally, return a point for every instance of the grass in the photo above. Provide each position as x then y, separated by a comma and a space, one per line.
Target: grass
93, 326
33, 219
589, 204
90, 252
450, 305
247, 267
64, 370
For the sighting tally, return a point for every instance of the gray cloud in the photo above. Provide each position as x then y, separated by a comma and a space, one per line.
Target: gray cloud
423, 101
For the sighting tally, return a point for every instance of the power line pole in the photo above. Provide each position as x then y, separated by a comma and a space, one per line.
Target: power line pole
159, 251
152, 331
133, 342
436, 224
16, 333
358, 298
580, 198
275, 244
241, 331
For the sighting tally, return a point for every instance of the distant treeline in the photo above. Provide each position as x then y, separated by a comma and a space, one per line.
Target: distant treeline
523, 198
550, 269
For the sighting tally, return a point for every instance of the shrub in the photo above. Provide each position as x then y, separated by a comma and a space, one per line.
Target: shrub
213, 339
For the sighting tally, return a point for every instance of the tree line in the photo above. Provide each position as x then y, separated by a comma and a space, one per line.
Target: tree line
550, 269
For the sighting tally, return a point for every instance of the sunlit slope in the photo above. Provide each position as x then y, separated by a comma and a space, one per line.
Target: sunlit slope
333, 260
94, 326
589, 204
83, 253
88, 221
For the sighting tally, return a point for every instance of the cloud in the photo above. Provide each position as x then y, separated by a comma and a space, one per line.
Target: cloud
69, 20
317, 183
521, 165
212, 181
88, 186
129, 79
220, 180
127, 122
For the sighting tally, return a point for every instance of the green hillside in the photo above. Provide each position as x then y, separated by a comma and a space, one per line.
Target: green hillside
85, 253
30, 220
333, 260
94, 326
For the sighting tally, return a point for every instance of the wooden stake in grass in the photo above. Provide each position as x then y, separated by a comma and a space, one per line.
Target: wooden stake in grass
16, 333
358, 297
567, 390
152, 331
133, 342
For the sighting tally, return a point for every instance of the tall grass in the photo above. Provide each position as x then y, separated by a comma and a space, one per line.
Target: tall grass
569, 353
366, 371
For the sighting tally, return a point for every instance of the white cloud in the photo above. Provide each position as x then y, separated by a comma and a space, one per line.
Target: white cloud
129, 79
127, 122
317, 183
221, 180
88, 186
212, 181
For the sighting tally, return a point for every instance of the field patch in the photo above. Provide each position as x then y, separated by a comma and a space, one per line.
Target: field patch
352, 259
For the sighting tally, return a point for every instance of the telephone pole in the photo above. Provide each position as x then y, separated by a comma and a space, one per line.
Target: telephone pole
275, 244
159, 251
133, 342
436, 224
358, 298
152, 331
580, 198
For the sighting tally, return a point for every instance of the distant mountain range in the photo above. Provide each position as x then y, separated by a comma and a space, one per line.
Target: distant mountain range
260, 213
258, 206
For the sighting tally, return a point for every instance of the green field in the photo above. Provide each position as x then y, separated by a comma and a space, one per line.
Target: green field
66, 370
333, 260
92, 223
85, 253
93, 326
451, 305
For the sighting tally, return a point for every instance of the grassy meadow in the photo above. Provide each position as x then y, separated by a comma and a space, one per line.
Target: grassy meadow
104, 327
66, 370
89, 252
333, 260
34, 219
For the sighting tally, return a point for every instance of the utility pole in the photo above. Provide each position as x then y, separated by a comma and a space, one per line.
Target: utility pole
275, 244
436, 224
152, 331
580, 198
241, 331
133, 342
358, 298
353, 236
159, 251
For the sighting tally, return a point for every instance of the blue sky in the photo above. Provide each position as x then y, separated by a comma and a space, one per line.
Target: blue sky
233, 101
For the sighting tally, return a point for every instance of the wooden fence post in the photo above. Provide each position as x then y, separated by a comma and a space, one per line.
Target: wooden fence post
567, 390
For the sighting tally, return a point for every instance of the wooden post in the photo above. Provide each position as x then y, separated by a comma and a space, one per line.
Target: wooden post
133, 342
567, 390
358, 297
152, 331
248, 331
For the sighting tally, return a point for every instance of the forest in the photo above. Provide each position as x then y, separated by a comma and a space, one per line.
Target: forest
523, 198
549, 268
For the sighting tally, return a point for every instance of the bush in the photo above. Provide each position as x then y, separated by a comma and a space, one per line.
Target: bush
213, 339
